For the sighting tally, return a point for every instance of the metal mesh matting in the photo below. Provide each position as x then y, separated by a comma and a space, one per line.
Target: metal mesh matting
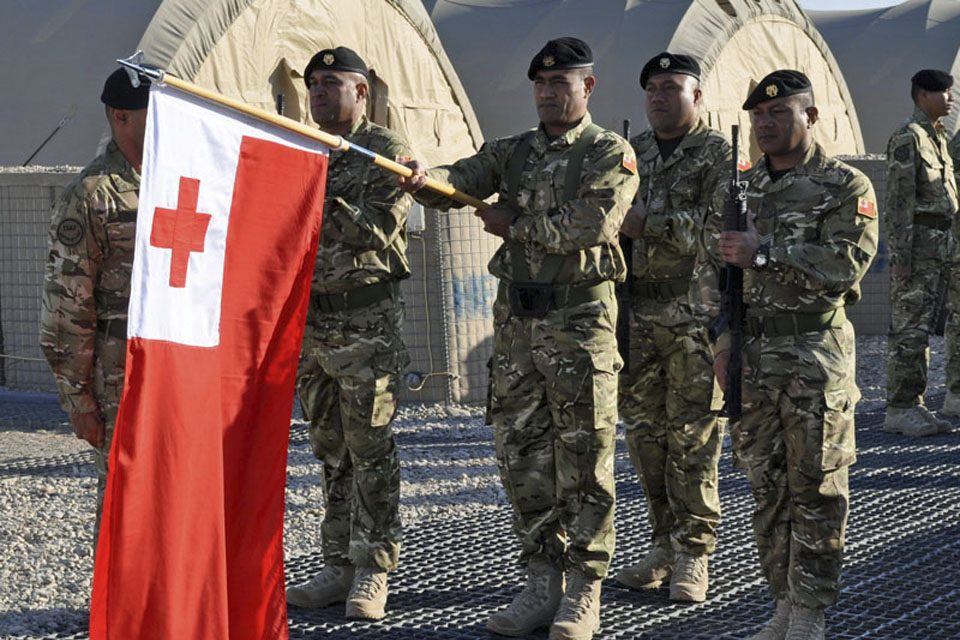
900, 574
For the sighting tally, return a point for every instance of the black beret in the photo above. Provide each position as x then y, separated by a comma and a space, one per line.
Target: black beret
932, 80
669, 63
120, 94
339, 59
779, 84
562, 53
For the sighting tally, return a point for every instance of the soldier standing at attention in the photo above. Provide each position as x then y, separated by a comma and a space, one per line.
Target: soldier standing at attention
811, 236
921, 206
667, 398
353, 352
563, 191
951, 404
86, 286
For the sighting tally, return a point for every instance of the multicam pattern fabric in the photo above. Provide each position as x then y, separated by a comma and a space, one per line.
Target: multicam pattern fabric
554, 379
952, 329
921, 191
585, 228
86, 291
364, 237
348, 380
796, 437
351, 360
668, 398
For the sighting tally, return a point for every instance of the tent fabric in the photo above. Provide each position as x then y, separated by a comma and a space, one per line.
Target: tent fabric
736, 41
232, 46
879, 50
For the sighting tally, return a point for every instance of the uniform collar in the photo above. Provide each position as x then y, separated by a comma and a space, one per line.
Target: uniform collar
692, 138
542, 141
921, 118
125, 176
811, 163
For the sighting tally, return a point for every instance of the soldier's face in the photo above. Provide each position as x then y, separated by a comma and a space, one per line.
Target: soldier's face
784, 125
561, 97
673, 102
336, 99
935, 104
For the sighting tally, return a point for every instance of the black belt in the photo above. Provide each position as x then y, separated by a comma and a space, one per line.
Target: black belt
793, 324
355, 298
536, 299
932, 220
661, 290
112, 327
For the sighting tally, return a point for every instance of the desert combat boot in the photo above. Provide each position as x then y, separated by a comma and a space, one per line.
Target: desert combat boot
914, 421
579, 615
805, 624
776, 628
651, 572
330, 586
535, 606
690, 578
951, 405
368, 596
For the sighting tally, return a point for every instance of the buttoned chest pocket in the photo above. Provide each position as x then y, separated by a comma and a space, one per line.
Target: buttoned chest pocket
683, 190
930, 174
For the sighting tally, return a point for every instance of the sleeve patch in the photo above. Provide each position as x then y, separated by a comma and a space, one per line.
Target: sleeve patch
866, 207
902, 154
743, 164
70, 232
630, 162
403, 159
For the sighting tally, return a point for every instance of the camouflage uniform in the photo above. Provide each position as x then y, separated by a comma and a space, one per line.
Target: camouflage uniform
86, 292
353, 352
554, 378
952, 329
796, 437
921, 205
668, 398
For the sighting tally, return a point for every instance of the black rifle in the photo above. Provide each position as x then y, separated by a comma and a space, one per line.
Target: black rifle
623, 290
731, 286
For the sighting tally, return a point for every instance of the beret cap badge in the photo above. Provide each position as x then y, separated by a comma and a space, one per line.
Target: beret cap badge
328, 59
664, 62
548, 61
772, 90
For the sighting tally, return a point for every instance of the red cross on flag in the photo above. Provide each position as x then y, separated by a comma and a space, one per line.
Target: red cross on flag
191, 542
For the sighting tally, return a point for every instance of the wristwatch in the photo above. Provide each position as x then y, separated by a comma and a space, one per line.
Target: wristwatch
761, 258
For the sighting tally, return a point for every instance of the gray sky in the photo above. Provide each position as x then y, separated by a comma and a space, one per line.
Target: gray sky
824, 5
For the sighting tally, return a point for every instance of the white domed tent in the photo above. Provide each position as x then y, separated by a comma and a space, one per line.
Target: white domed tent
253, 50
737, 41
879, 51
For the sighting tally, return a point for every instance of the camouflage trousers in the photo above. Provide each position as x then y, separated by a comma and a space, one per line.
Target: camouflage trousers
915, 306
669, 406
952, 330
553, 407
347, 382
795, 442
110, 355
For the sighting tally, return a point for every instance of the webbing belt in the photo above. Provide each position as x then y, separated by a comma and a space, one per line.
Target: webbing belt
793, 324
355, 298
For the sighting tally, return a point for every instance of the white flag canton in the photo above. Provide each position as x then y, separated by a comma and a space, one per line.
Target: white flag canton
190, 156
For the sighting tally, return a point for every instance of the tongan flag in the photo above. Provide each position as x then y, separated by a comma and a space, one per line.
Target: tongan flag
191, 541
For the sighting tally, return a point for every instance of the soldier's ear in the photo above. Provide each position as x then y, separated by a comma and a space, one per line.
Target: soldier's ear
362, 90
589, 82
813, 114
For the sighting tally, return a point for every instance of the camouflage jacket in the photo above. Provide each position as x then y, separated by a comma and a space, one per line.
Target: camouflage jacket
87, 276
363, 238
954, 148
677, 193
585, 228
920, 182
820, 222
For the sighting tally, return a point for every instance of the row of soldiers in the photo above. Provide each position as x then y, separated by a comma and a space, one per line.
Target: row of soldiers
566, 190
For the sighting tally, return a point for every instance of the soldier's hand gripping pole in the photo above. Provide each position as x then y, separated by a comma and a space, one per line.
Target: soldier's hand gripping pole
623, 290
734, 219
160, 77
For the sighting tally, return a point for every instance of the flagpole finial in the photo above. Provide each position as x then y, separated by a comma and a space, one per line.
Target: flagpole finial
135, 68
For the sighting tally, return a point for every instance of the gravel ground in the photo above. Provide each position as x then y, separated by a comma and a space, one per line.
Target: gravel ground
46, 507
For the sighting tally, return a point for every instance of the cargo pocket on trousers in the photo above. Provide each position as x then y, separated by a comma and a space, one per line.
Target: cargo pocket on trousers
839, 446
606, 366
